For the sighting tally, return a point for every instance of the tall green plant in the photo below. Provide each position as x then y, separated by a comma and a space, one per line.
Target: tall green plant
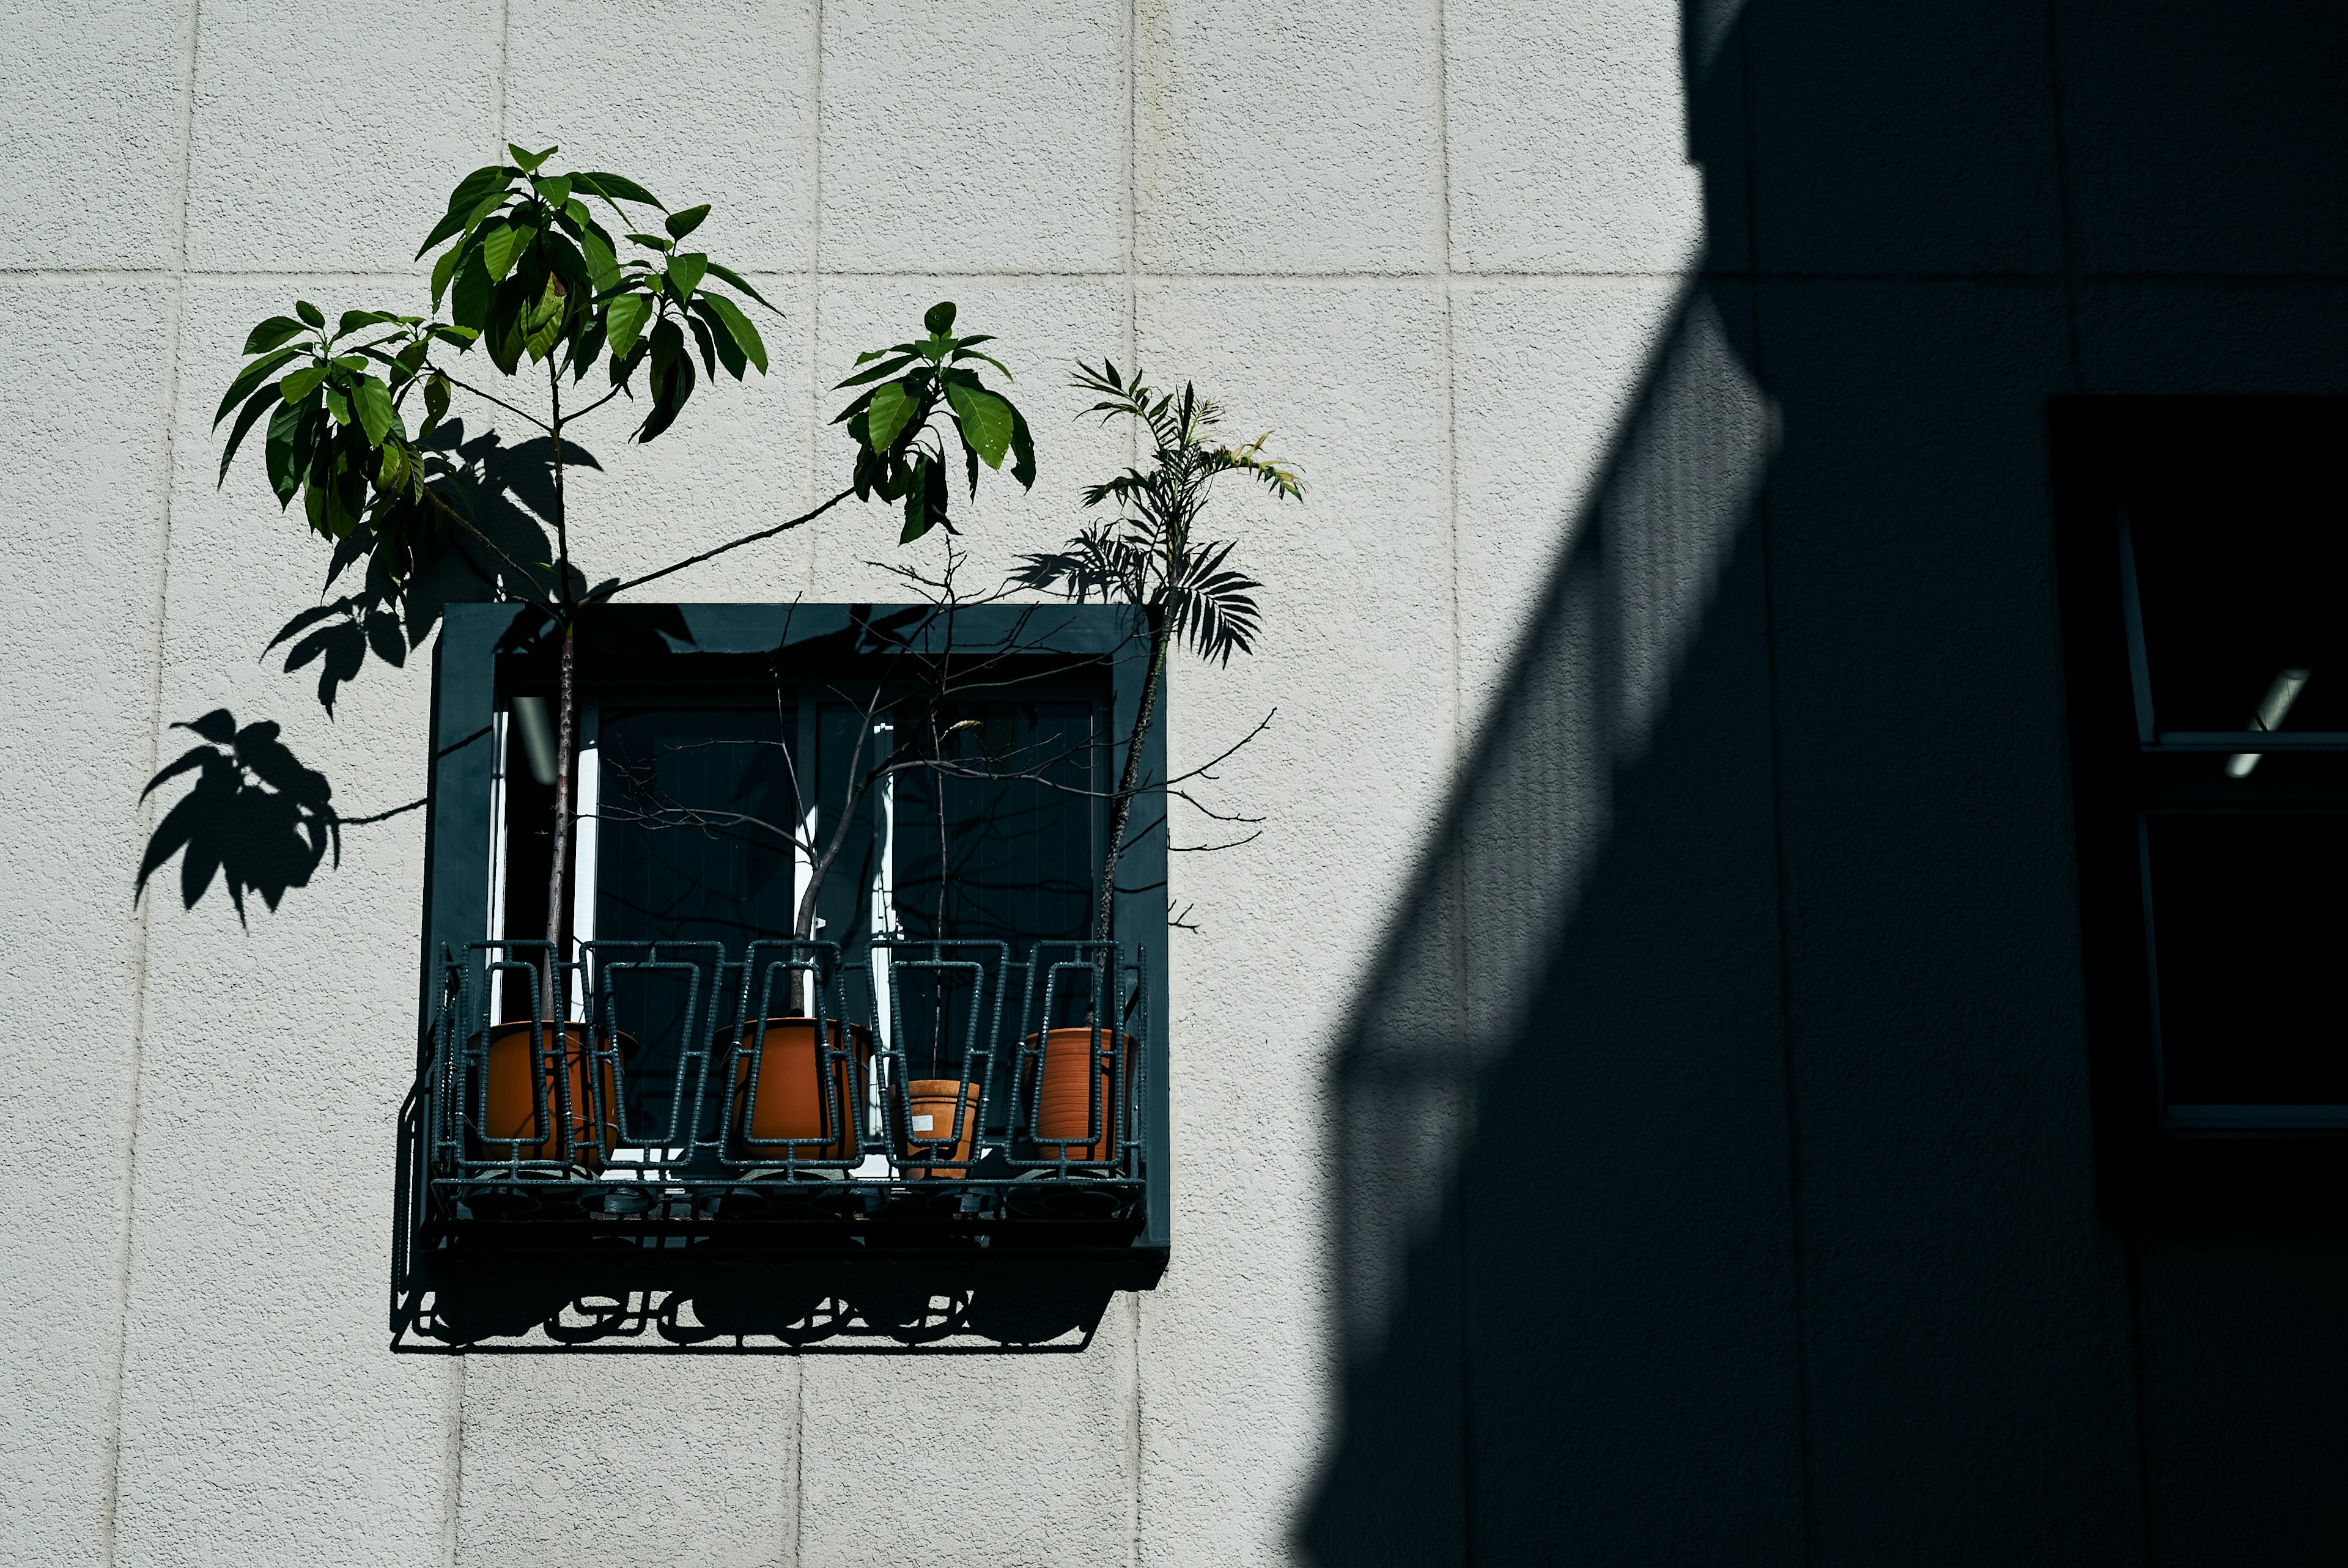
529, 275
1150, 558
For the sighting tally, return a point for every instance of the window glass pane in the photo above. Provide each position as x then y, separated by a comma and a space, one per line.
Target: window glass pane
850, 748
695, 845
1014, 859
699, 810
2238, 564
1019, 862
2249, 924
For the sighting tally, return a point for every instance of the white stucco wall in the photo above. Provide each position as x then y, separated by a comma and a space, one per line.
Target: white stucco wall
1283, 201
1446, 251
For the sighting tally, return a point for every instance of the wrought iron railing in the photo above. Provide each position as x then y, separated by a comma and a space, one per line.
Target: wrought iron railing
960, 1091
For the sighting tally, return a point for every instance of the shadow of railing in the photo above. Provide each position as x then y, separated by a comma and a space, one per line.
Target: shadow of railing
1714, 1178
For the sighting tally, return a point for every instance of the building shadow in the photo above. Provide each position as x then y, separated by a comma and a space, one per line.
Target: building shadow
1714, 1173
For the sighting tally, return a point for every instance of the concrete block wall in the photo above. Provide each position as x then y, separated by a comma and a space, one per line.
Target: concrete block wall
1645, 1117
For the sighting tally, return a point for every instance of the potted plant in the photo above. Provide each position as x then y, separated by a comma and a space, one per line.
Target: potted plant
1151, 558
532, 278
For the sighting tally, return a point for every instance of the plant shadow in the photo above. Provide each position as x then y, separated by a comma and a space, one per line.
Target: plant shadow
508, 492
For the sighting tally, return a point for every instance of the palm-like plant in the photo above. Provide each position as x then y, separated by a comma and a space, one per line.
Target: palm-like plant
1152, 558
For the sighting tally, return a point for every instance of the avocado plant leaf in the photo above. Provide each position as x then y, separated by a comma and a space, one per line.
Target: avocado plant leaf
985, 421
285, 462
737, 325
684, 274
613, 188
270, 334
887, 414
624, 319
250, 376
375, 409
501, 246
740, 285
259, 403
298, 385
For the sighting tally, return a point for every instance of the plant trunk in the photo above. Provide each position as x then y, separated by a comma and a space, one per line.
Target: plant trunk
558, 906
1120, 810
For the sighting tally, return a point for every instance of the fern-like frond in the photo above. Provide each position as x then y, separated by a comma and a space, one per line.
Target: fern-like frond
1209, 604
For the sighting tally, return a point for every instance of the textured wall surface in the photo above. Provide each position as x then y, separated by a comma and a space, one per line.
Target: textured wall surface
1630, 1104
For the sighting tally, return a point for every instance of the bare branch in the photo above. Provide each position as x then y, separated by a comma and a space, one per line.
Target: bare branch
619, 588
1211, 848
487, 397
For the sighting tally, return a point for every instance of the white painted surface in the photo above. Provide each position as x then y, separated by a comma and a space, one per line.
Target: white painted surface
1444, 251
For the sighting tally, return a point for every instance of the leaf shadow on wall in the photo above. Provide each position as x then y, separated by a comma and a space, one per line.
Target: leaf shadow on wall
508, 492
256, 819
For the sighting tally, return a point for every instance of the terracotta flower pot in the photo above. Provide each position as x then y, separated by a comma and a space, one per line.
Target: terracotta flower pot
1079, 1092
790, 1101
511, 1102
931, 1103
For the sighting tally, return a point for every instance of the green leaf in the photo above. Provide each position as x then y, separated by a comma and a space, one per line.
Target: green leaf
709, 342
965, 353
436, 402
939, 318
502, 245
259, 402
530, 161
684, 274
250, 376
475, 188
473, 295
985, 421
554, 192
310, 312
916, 504
1023, 451
302, 382
270, 334
624, 318
443, 269
878, 373
737, 325
375, 410
886, 416
613, 187
354, 319
680, 224
602, 264
653, 241
730, 275
542, 323
337, 403
285, 462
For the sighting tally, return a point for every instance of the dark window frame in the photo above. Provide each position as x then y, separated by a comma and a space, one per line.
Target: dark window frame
2149, 1161
485, 651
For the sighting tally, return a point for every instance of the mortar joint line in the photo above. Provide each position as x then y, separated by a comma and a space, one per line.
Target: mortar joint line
142, 923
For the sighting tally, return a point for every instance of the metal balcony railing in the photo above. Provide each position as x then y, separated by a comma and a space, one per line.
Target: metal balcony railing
949, 1092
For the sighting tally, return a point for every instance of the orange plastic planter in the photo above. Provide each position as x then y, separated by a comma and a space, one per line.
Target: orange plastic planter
790, 1099
1080, 1092
511, 1108
932, 1103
